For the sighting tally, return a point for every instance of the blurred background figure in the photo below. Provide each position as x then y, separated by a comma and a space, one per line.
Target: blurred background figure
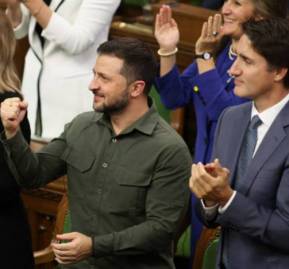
63, 37
212, 4
15, 235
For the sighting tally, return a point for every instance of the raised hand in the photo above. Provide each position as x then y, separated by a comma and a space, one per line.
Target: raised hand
12, 112
210, 36
166, 29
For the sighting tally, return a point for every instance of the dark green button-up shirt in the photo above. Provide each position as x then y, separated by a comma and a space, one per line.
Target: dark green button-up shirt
127, 191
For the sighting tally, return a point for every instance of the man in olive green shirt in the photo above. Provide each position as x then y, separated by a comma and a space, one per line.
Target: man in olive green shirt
127, 169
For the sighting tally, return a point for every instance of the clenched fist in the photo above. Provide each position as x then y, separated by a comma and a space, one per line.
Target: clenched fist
12, 112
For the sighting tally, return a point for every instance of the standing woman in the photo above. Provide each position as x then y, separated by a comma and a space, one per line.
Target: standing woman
206, 83
15, 250
63, 36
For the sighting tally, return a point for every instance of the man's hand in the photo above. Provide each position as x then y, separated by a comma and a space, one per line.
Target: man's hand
77, 247
211, 183
12, 112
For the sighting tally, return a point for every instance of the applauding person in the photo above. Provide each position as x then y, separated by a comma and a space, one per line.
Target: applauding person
206, 83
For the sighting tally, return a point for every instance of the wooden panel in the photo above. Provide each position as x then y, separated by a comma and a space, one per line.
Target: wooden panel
41, 205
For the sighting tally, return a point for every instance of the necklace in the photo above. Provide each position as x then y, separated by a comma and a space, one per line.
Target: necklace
232, 55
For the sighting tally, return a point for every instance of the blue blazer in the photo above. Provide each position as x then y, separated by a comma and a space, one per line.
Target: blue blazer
210, 93
256, 224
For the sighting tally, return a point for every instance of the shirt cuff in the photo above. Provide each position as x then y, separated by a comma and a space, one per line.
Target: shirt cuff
102, 245
210, 211
57, 29
222, 209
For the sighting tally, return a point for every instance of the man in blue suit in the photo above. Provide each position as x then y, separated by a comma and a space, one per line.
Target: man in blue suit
245, 189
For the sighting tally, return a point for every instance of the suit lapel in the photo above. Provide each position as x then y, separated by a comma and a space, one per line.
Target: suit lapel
242, 121
55, 4
271, 141
35, 43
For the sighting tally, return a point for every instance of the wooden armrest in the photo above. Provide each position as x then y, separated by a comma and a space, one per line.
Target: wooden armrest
45, 255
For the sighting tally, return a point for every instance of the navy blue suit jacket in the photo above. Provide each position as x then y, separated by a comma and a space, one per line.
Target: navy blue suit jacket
256, 224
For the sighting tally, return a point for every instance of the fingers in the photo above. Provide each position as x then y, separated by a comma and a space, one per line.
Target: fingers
200, 181
165, 15
216, 25
65, 252
67, 236
204, 30
210, 27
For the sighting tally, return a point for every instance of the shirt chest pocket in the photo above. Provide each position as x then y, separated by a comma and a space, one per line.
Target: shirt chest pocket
77, 161
127, 192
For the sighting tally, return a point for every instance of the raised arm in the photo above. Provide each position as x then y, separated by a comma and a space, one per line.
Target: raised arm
167, 35
92, 20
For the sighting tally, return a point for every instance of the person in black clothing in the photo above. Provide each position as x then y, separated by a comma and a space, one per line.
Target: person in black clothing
15, 249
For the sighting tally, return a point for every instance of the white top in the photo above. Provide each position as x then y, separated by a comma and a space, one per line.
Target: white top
63, 68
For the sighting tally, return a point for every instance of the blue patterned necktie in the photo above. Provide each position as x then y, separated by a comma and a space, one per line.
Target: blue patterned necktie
247, 149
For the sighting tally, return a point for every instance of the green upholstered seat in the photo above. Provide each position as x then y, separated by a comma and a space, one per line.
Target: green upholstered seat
184, 244
209, 259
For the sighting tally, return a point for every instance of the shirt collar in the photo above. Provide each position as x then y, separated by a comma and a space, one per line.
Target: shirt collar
268, 116
145, 124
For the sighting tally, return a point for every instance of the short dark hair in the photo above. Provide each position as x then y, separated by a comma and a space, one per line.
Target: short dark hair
139, 62
270, 39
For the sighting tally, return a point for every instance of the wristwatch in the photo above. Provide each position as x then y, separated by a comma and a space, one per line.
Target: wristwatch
204, 56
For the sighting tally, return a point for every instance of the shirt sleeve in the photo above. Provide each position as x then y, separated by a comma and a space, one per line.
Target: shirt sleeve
22, 29
166, 202
33, 170
93, 18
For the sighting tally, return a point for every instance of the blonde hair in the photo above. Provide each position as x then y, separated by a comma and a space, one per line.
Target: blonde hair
9, 80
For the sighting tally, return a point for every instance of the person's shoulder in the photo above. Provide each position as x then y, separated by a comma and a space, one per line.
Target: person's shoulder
87, 116
236, 110
83, 120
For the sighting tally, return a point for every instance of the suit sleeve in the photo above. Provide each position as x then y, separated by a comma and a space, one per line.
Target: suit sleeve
211, 222
268, 224
22, 29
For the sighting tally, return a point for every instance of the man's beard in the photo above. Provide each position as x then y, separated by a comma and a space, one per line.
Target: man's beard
117, 106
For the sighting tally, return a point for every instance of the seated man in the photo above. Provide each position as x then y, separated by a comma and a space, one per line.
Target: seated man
127, 168
245, 190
